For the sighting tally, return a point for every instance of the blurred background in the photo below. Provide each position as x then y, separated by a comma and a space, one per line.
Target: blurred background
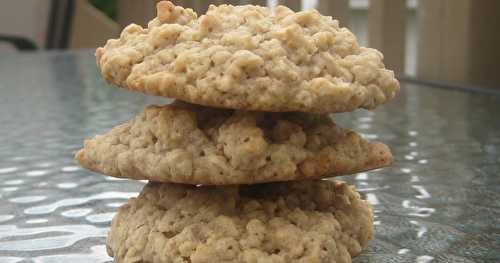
452, 41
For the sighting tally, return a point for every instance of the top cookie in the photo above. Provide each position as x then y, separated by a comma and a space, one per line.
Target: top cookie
248, 57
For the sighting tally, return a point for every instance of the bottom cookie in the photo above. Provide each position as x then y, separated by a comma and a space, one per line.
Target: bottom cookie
300, 221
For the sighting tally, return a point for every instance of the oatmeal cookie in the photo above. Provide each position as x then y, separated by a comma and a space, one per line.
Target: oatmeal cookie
185, 143
309, 221
250, 58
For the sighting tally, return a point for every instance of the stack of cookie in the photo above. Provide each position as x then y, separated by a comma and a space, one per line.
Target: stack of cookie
235, 163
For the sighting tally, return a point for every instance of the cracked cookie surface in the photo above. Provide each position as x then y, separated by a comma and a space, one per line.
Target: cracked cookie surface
250, 58
185, 143
309, 221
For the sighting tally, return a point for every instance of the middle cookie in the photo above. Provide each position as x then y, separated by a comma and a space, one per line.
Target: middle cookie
184, 143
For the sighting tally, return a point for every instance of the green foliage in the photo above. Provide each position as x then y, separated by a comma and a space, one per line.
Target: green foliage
108, 7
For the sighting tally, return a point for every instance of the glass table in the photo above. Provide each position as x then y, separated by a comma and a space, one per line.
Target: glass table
439, 202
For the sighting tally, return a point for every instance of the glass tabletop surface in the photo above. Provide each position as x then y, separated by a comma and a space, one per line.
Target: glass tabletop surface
439, 202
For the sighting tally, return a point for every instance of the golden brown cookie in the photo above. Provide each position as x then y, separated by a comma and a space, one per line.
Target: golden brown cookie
248, 57
191, 144
309, 221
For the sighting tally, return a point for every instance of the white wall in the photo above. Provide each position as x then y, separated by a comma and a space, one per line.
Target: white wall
27, 18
